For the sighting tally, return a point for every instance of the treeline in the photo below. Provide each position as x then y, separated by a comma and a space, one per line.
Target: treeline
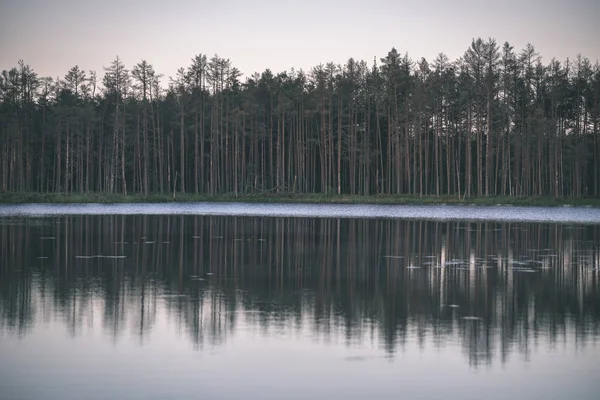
494, 122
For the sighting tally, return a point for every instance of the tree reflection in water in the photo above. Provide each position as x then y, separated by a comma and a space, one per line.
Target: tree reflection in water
497, 288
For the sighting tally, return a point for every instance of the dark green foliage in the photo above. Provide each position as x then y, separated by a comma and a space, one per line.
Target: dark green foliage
492, 123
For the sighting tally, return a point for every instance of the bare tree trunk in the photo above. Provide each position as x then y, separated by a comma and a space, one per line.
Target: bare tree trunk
123, 160
182, 147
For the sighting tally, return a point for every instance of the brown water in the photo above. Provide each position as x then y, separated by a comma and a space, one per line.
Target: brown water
177, 307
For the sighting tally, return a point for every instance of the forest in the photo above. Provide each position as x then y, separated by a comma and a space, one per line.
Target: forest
495, 122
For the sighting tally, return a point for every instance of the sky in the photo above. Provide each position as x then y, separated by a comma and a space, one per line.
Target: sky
54, 35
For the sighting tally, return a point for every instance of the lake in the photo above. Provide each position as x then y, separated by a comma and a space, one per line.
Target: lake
239, 301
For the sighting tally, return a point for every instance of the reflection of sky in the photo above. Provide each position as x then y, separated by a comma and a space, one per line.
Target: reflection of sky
51, 364
74, 326
53, 36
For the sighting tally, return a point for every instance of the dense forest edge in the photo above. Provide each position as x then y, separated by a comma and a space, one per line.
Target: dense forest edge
114, 198
494, 126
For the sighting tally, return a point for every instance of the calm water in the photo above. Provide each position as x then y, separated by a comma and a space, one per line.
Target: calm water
240, 307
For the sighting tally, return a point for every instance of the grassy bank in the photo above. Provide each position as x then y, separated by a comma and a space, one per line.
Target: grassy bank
17, 198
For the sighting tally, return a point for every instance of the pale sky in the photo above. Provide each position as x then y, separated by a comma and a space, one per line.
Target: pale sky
55, 35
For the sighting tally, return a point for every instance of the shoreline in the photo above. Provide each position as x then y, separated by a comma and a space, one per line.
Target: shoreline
106, 198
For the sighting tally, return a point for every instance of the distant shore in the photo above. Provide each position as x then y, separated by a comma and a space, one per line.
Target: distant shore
21, 198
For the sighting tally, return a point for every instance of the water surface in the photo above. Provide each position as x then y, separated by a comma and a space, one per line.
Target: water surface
238, 307
564, 214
